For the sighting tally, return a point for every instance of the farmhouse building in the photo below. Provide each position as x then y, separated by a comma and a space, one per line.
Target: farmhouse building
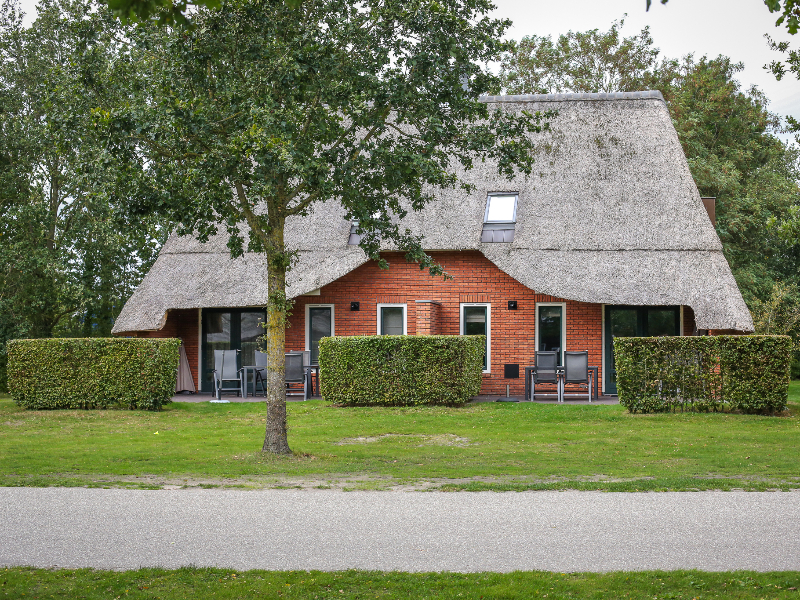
607, 237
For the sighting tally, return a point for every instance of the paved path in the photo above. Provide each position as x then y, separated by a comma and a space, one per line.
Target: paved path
408, 531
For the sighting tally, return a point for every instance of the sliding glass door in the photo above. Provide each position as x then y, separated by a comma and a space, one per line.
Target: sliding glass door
635, 321
229, 329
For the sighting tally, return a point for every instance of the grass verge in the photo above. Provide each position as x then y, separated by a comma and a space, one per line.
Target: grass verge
87, 584
494, 446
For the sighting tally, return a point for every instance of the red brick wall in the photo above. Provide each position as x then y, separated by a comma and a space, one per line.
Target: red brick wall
475, 279
182, 324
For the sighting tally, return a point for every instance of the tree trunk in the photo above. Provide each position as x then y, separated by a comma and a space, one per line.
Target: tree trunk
275, 440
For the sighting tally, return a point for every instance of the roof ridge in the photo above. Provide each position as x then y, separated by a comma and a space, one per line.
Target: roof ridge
643, 95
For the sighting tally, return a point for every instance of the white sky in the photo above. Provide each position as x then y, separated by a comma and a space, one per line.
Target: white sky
734, 28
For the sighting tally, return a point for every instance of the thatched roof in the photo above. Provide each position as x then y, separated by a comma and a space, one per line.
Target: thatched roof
611, 215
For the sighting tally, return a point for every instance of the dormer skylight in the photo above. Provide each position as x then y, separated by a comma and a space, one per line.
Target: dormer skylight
355, 237
501, 208
500, 217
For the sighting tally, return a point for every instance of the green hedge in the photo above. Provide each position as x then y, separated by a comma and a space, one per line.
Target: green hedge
92, 372
749, 373
401, 370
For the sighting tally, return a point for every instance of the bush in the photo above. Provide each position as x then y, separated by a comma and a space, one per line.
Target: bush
92, 372
401, 370
747, 373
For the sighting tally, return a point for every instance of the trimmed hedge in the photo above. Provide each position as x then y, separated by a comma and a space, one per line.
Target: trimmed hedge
92, 372
749, 373
401, 370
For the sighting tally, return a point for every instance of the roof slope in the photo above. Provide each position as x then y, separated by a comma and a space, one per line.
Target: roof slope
611, 214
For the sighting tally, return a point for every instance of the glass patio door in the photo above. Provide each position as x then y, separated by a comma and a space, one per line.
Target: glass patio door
229, 329
635, 321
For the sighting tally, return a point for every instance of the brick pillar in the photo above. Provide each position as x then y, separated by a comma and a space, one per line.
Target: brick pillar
428, 317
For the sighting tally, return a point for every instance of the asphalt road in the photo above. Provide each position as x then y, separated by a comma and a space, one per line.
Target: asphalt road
407, 531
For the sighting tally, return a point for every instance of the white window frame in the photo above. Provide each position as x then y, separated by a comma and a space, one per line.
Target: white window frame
379, 319
308, 321
463, 324
488, 202
563, 306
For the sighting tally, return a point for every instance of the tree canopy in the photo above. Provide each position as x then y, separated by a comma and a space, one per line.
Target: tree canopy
260, 109
69, 256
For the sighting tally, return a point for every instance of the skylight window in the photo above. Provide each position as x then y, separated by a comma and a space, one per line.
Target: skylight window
501, 208
500, 218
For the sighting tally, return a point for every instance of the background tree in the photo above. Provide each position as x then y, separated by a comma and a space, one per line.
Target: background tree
590, 61
260, 110
69, 256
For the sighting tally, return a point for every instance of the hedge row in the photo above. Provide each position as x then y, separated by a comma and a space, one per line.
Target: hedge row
92, 372
401, 370
747, 373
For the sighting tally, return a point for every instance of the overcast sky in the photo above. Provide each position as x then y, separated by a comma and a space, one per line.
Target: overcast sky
734, 28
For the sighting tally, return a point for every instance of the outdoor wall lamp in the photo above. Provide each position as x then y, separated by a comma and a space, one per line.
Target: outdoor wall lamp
512, 305
355, 306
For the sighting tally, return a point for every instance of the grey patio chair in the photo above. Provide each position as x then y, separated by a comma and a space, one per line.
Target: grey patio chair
576, 371
226, 369
546, 371
260, 374
296, 375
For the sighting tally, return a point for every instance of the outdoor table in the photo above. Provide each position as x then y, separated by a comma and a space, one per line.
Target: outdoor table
313, 382
560, 370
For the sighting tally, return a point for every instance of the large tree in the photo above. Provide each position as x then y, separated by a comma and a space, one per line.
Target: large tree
260, 109
69, 256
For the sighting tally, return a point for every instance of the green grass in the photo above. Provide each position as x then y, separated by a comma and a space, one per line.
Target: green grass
497, 446
22, 582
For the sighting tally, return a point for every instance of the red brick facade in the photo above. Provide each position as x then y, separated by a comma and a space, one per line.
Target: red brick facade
433, 306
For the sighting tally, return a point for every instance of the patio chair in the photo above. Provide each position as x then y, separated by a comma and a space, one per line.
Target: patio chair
226, 368
296, 375
546, 371
576, 371
260, 375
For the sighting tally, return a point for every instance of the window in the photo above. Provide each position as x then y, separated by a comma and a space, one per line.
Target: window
392, 319
499, 218
501, 208
476, 320
319, 324
551, 328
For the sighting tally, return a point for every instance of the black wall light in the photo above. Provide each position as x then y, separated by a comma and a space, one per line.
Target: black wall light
512, 305
355, 306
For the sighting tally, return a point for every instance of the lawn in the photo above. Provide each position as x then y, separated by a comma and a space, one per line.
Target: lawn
494, 446
191, 582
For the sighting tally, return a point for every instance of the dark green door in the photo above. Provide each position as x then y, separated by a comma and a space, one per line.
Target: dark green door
636, 321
